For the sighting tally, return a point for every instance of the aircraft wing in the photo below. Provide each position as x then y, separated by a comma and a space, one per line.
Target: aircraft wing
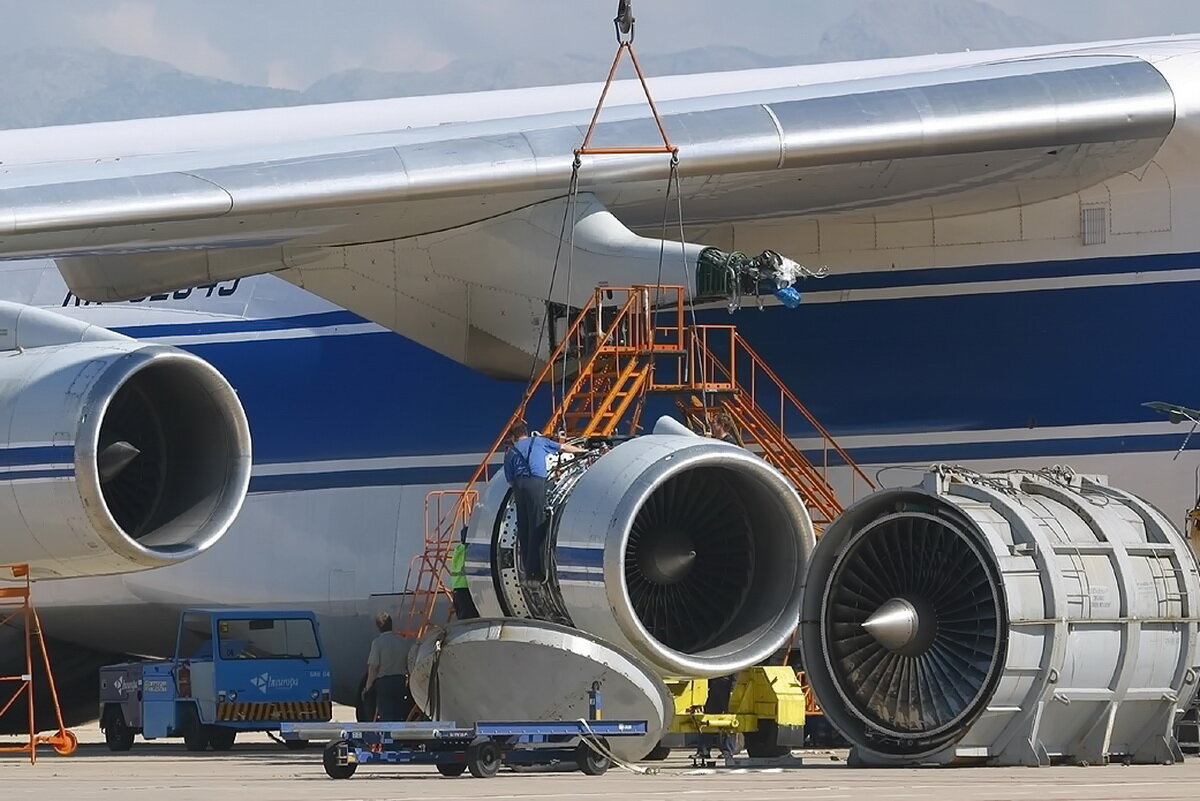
404, 226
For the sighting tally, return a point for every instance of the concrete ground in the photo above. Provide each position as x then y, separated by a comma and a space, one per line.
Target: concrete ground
261, 770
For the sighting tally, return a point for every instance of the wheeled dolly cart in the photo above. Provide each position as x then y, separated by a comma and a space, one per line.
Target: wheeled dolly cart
454, 750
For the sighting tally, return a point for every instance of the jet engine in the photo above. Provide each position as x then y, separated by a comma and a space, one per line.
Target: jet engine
684, 550
1009, 619
115, 456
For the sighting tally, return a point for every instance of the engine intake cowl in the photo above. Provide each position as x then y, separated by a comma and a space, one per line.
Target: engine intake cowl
688, 551
116, 456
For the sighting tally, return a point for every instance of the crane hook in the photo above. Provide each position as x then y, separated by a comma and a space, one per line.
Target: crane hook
624, 20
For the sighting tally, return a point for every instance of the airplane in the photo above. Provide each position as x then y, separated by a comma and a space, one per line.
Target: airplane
1011, 274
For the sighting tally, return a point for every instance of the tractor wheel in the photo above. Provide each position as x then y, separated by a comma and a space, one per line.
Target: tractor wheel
195, 737
220, 737
117, 734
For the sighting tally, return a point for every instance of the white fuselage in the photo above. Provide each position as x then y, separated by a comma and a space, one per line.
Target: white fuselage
995, 340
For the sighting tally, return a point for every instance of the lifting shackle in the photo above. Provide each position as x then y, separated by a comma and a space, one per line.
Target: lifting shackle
623, 22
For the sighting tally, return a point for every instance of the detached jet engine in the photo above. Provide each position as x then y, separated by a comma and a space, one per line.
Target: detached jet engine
683, 550
1016, 618
115, 455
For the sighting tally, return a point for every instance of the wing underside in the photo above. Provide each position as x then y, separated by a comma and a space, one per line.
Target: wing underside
982, 137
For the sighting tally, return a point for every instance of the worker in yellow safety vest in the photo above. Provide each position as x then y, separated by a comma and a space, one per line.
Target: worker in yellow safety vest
464, 606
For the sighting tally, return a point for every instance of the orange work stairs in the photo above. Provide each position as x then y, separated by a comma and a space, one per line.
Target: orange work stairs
626, 344
725, 373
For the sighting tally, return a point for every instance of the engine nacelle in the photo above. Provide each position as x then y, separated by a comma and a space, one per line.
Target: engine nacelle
1011, 618
685, 550
115, 456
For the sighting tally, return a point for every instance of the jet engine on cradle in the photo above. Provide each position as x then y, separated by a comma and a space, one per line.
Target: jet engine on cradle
685, 551
114, 455
1012, 619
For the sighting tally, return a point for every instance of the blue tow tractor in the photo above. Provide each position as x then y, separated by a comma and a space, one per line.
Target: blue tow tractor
234, 670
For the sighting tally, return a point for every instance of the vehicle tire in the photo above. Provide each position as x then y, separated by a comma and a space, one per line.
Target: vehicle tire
658, 753
220, 737
295, 745
591, 763
451, 769
483, 759
330, 760
117, 734
195, 738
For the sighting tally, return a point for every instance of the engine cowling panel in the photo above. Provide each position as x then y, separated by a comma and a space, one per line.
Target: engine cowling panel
116, 456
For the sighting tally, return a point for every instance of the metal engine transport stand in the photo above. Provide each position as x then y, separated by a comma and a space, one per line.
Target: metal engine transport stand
453, 750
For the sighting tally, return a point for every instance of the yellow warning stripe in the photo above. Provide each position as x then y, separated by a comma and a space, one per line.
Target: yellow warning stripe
274, 710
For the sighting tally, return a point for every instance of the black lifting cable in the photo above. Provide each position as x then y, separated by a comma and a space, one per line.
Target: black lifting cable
673, 184
624, 26
571, 212
683, 263
572, 192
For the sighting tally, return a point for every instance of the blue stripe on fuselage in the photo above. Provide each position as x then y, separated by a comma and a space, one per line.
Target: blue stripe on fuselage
1003, 360
317, 320
389, 477
1020, 271
891, 454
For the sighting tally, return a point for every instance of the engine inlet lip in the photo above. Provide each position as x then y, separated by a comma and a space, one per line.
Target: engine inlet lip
732, 655
87, 445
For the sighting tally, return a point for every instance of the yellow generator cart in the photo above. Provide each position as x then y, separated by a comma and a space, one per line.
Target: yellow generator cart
766, 706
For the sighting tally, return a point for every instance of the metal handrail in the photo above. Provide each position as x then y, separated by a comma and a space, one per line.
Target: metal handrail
758, 362
707, 373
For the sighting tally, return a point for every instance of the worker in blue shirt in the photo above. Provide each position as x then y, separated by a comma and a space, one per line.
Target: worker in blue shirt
525, 470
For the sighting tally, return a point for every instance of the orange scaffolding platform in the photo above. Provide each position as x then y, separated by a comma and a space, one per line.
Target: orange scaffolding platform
624, 346
15, 605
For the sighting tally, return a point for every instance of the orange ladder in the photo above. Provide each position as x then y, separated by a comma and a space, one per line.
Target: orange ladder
15, 605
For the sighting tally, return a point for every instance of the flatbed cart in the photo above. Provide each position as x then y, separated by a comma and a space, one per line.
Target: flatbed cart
454, 750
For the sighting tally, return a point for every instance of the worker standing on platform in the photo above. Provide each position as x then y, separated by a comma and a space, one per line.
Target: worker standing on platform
464, 604
723, 428
525, 471
386, 667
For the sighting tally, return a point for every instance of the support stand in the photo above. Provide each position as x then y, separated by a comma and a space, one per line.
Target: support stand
16, 606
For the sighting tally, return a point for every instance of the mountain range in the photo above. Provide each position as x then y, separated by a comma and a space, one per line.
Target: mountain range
57, 86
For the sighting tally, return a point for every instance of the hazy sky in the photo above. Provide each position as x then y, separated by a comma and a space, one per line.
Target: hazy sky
291, 43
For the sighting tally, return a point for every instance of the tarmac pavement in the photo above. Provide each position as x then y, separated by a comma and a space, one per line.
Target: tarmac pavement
262, 770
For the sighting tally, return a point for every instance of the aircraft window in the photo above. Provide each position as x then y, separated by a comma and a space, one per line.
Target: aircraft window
278, 638
195, 636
